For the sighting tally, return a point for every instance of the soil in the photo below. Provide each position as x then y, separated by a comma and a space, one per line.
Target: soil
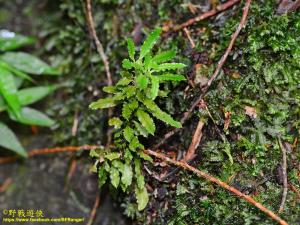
40, 183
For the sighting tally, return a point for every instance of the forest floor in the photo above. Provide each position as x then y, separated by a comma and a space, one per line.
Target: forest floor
251, 106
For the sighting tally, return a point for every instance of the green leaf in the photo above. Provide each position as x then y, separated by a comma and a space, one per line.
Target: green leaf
141, 129
140, 181
10, 40
128, 156
129, 91
128, 108
31, 95
131, 48
142, 81
145, 156
9, 91
126, 64
147, 61
154, 87
159, 114
31, 116
103, 103
163, 56
15, 71
128, 134
118, 164
109, 89
146, 121
126, 111
18, 81
112, 156
28, 63
94, 153
171, 77
124, 82
142, 198
169, 66
2, 104
102, 175
227, 150
114, 177
9, 140
127, 175
149, 42
134, 144
116, 122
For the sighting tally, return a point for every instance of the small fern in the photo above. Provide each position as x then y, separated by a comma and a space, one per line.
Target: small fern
135, 92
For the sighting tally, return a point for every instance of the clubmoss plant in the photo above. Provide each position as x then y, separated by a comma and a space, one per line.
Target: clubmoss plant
135, 93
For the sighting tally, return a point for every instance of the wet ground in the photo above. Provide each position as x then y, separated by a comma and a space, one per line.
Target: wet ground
40, 183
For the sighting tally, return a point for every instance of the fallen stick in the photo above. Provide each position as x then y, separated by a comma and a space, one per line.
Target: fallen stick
218, 9
44, 151
94, 210
5, 185
98, 43
195, 141
166, 159
103, 56
187, 32
213, 77
224, 185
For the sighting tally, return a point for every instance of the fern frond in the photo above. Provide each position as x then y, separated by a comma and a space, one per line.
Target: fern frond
131, 48
149, 42
161, 115
169, 66
163, 56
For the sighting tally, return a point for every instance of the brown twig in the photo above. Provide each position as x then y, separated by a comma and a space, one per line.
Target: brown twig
44, 151
75, 124
224, 185
213, 77
5, 185
99, 45
103, 56
284, 174
187, 32
94, 210
203, 16
71, 172
295, 190
195, 141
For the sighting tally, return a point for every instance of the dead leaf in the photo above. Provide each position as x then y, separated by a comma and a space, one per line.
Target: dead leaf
227, 120
236, 75
250, 111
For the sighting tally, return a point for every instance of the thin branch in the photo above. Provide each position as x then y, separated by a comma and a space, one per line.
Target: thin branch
45, 151
99, 45
213, 77
71, 171
284, 174
94, 210
195, 141
295, 190
5, 185
203, 16
187, 32
224, 185
103, 56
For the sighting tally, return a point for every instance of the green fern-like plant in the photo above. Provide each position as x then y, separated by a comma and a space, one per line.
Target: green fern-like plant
135, 92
